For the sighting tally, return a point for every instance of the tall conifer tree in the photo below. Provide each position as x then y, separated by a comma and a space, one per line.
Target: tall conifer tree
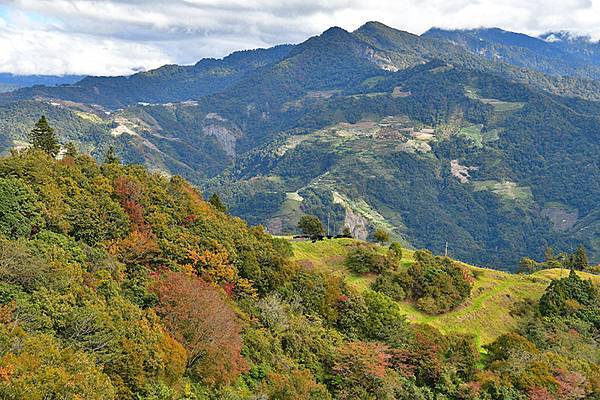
42, 137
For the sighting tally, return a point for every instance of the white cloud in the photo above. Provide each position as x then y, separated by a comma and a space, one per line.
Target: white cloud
120, 36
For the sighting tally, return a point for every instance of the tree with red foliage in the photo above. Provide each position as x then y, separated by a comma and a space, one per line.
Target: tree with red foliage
198, 315
129, 193
359, 369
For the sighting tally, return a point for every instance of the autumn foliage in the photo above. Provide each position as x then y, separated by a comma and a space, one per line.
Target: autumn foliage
198, 316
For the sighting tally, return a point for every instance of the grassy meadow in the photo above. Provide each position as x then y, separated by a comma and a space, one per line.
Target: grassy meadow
487, 314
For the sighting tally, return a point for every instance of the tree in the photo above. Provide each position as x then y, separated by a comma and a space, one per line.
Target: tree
364, 258
579, 260
71, 149
381, 236
395, 251
347, 232
198, 316
42, 137
528, 266
359, 369
20, 210
111, 156
570, 295
217, 203
311, 226
42, 369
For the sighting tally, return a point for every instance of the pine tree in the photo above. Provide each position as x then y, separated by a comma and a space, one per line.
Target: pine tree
215, 200
579, 260
111, 156
549, 254
71, 150
42, 137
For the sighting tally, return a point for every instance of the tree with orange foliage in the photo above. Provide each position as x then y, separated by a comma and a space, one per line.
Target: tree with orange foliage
198, 316
129, 193
360, 369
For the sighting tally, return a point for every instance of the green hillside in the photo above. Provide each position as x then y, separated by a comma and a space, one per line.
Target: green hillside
117, 283
489, 312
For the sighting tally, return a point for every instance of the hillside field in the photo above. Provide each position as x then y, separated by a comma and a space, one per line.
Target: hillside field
488, 312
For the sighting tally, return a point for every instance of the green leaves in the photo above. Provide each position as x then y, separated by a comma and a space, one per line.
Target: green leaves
42, 137
20, 210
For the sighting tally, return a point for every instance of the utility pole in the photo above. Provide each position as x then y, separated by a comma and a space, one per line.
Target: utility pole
328, 212
446, 251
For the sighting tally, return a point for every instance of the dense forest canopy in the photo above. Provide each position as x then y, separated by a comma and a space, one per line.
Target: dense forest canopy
119, 283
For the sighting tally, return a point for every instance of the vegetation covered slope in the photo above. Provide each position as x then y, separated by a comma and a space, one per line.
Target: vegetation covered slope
435, 153
168, 83
119, 284
553, 53
375, 127
491, 310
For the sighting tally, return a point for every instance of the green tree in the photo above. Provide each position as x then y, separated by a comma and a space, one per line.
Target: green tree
347, 232
579, 260
42, 137
71, 149
20, 210
216, 201
311, 226
365, 258
570, 295
111, 156
381, 236
528, 266
395, 251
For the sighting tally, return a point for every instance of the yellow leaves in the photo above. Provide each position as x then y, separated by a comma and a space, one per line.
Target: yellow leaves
216, 265
6, 372
139, 247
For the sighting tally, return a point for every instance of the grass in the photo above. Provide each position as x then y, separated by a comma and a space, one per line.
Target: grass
486, 314
506, 189
473, 132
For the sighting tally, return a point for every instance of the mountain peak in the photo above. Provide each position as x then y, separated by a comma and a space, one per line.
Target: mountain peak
374, 25
334, 31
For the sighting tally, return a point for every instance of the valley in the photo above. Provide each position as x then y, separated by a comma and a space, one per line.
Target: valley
331, 209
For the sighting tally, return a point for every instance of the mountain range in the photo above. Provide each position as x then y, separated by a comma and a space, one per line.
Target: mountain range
484, 140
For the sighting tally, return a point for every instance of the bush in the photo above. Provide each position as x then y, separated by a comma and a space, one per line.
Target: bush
365, 258
395, 251
436, 284
390, 284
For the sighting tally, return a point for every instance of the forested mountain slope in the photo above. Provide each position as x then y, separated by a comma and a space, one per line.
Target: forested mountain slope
552, 53
375, 127
120, 284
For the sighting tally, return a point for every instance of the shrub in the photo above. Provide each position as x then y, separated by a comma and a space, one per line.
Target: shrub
365, 258
436, 284
395, 251
390, 284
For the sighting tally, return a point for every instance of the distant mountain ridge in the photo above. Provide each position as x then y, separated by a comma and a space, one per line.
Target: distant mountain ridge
164, 84
377, 128
552, 53
9, 81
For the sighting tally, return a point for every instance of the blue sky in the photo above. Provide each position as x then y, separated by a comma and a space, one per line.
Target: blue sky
110, 37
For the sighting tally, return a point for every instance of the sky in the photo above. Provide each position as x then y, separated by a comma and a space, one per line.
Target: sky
119, 37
